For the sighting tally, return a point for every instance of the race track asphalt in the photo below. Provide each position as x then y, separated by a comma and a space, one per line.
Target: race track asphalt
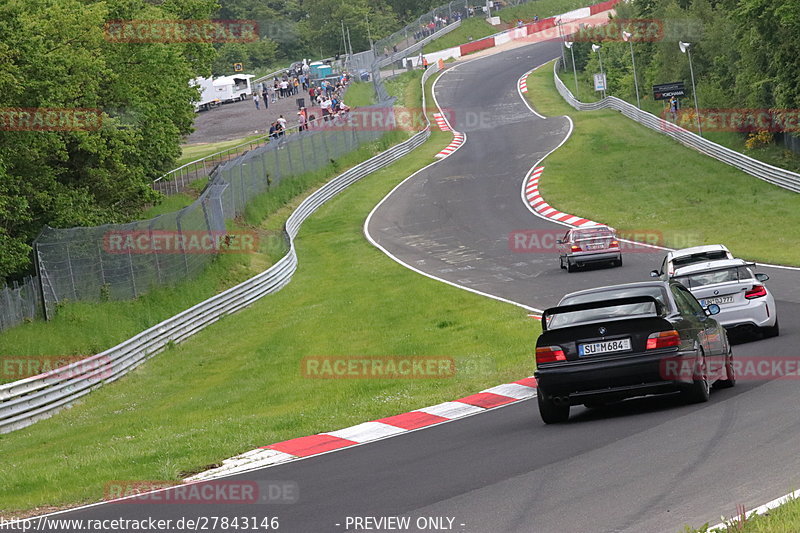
646, 465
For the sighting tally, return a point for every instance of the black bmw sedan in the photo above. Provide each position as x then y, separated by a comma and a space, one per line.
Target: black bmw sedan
611, 343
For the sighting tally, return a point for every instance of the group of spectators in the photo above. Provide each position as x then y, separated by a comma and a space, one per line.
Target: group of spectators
326, 94
428, 29
285, 87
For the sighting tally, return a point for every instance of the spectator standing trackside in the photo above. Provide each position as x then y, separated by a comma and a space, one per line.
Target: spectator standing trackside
265, 97
282, 122
673, 108
255, 99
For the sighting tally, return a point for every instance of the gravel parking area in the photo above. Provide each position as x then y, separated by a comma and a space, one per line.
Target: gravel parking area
240, 119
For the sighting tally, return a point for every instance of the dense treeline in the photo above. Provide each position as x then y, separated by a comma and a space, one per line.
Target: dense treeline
745, 53
294, 29
58, 55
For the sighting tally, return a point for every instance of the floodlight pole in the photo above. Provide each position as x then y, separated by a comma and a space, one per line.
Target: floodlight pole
687, 47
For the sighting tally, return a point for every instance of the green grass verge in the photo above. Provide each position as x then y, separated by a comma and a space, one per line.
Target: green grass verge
193, 152
772, 154
360, 94
237, 385
619, 172
475, 28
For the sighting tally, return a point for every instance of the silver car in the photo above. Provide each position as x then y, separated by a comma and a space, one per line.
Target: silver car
741, 295
588, 245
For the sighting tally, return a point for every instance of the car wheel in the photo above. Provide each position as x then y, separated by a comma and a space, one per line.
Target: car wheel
730, 373
772, 331
550, 412
619, 262
700, 390
561, 262
571, 267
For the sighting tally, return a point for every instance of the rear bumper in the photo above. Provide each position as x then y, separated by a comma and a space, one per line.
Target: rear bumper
635, 375
752, 315
587, 258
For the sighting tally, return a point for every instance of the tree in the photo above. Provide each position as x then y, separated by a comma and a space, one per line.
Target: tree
58, 55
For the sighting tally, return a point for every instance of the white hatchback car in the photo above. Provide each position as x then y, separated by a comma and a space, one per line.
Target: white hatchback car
688, 256
741, 295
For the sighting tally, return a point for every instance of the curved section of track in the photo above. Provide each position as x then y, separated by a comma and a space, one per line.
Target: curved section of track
651, 464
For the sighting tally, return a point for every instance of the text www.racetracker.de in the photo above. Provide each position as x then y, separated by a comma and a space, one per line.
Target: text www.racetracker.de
200, 523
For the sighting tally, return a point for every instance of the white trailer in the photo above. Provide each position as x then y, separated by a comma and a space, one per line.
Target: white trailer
222, 90
208, 97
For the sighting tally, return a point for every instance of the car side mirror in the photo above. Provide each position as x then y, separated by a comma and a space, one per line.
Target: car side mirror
762, 277
559, 241
655, 273
712, 309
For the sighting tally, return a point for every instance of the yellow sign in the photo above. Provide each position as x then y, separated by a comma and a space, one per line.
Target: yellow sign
237, 67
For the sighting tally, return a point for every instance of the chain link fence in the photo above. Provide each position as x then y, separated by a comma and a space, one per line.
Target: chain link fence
19, 302
423, 27
95, 264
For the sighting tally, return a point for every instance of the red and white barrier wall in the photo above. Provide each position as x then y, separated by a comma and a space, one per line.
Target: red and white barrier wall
515, 33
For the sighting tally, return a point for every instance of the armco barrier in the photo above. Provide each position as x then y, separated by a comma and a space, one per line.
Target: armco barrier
29, 400
759, 169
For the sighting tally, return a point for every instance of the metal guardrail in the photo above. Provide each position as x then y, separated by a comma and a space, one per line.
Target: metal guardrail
771, 174
29, 400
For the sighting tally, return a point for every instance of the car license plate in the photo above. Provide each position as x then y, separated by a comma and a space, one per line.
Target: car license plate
718, 300
594, 246
618, 345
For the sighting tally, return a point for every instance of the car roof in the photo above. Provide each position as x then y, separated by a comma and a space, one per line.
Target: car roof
718, 264
698, 249
655, 283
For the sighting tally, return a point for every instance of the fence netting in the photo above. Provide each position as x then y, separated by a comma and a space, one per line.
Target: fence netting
96, 263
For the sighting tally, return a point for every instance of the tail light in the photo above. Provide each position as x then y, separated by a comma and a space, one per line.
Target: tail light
756, 292
663, 339
575, 248
614, 244
549, 354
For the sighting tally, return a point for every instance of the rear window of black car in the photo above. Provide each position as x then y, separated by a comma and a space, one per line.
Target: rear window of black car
656, 292
614, 312
602, 314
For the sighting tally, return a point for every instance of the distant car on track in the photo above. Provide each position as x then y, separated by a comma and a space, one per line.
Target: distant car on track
744, 300
611, 343
688, 256
588, 245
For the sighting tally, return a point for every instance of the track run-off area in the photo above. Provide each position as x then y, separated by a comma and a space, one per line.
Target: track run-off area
653, 464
